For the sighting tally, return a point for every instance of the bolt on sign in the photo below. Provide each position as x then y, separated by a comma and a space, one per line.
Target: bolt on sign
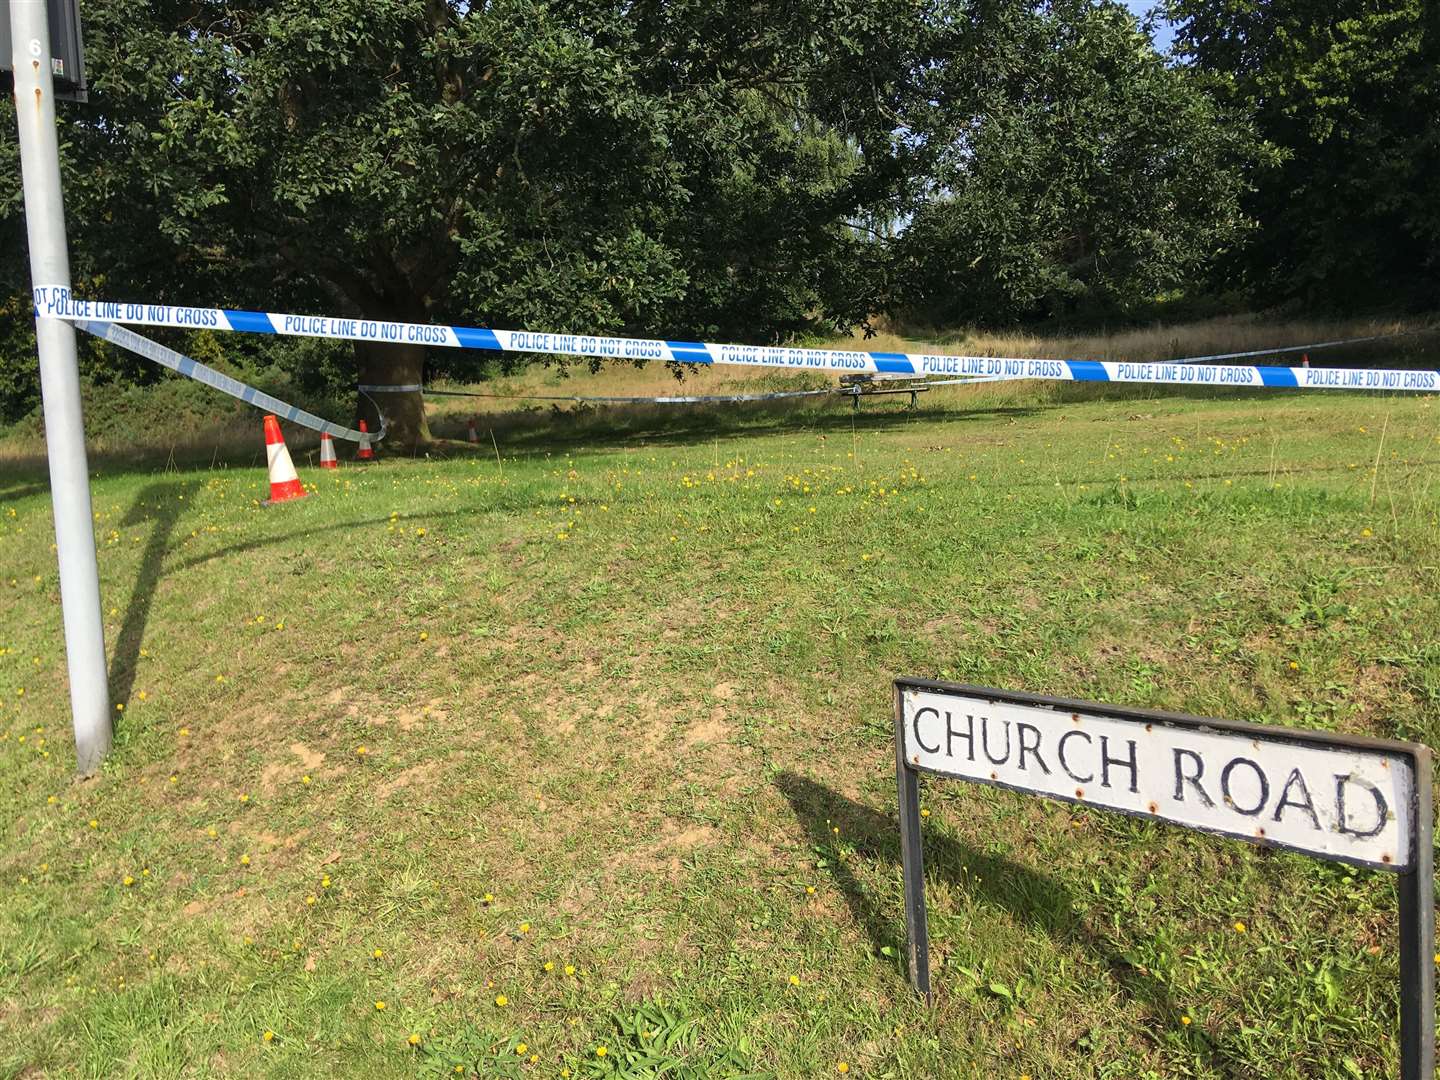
1343, 798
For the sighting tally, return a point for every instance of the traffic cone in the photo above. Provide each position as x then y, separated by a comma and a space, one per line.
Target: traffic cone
1304, 359
364, 453
471, 433
327, 452
284, 484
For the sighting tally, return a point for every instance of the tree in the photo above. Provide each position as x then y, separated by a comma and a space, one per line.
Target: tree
657, 166
1076, 170
1347, 93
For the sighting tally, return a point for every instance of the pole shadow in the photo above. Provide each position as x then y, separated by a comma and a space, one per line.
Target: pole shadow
159, 505
1029, 896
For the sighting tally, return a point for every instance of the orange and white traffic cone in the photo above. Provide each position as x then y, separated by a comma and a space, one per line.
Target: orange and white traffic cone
1304, 359
284, 484
471, 433
364, 453
327, 452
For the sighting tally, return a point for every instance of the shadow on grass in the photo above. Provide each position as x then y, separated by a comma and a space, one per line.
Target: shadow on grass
16, 488
158, 505
1029, 896
536, 433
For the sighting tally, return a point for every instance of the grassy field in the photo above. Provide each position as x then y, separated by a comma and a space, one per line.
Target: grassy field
579, 763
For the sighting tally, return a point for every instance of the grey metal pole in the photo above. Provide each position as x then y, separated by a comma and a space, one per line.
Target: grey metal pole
912, 860
60, 386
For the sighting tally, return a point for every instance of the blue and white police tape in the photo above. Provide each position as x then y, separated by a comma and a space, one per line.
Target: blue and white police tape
184, 365
56, 302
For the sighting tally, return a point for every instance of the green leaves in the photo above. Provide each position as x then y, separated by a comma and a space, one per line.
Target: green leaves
1075, 171
1344, 93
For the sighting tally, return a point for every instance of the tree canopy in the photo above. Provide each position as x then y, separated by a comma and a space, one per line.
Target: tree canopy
720, 168
1346, 93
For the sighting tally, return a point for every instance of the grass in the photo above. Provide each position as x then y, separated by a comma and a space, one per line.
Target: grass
590, 747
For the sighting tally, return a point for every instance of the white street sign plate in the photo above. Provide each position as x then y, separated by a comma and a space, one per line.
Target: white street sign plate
1342, 800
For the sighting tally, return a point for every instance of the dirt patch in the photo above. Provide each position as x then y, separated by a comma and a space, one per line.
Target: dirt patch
416, 774
715, 729
310, 760
688, 839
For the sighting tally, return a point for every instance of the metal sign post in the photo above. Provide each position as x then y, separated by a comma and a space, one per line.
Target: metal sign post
1347, 799
60, 385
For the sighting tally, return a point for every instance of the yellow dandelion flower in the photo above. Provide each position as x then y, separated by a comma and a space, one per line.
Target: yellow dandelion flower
128, 880
414, 1039
549, 965
809, 890
424, 636
521, 1049
269, 1036
244, 797
524, 927
842, 1067
1240, 927
361, 751
794, 980
601, 1051
569, 969
379, 1006
244, 860
1185, 1021
305, 779
94, 824
310, 900
501, 1000
378, 953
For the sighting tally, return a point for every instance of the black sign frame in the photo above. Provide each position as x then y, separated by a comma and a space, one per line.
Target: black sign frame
1415, 883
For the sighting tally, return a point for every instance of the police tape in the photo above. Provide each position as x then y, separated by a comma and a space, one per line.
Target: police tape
56, 302
184, 365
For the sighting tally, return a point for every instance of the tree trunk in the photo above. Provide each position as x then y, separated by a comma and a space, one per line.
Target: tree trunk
398, 364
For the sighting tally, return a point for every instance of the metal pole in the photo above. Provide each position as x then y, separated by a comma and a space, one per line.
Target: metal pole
912, 861
60, 386
1417, 939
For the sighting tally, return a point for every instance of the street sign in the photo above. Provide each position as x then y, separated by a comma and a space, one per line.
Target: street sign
1343, 798
67, 49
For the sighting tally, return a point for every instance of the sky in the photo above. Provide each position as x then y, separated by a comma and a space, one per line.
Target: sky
1163, 33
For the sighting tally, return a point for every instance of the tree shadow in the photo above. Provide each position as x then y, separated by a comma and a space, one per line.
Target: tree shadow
158, 504
19, 488
538, 432
1029, 896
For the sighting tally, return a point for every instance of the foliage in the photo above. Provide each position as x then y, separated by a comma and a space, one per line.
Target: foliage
1077, 173
675, 168
1346, 92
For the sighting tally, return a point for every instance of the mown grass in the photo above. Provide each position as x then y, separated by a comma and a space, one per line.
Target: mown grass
590, 747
